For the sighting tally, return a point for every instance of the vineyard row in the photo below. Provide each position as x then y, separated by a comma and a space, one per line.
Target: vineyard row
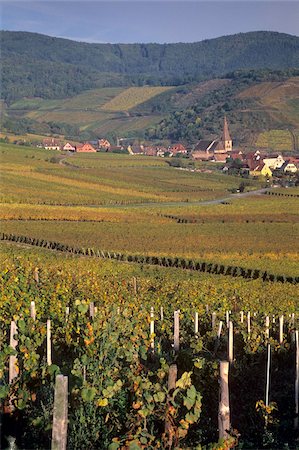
200, 266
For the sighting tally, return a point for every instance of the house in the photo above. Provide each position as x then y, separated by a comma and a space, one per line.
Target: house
150, 150
212, 147
237, 154
220, 157
115, 149
201, 155
161, 151
135, 149
69, 147
51, 144
104, 144
85, 148
274, 161
261, 169
289, 167
177, 148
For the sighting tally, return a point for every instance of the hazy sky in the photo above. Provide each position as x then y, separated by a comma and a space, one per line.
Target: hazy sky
148, 20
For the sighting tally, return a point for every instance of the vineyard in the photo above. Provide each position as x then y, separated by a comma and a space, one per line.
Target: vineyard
145, 307
110, 330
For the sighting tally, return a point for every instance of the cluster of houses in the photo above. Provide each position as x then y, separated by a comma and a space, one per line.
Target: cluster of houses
217, 150
105, 145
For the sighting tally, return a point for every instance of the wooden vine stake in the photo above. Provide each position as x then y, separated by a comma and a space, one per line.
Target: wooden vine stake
248, 323
13, 362
67, 313
281, 329
176, 337
224, 411
135, 285
60, 414
169, 428
91, 310
152, 330
219, 329
230, 342
49, 357
36, 274
161, 314
196, 323
268, 376
242, 316
213, 320
227, 318
32, 310
296, 380
267, 327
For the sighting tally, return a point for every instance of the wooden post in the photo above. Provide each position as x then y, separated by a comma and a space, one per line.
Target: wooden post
91, 310
176, 338
161, 314
281, 329
13, 362
207, 309
152, 330
248, 323
67, 313
32, 310
297, 381
293, 319
268, 374
227, 318
135, 285
219, 329
230, 342
273, 319
36, 275
49, 359
169, 429
224, 411
267, 327
196, 323
118, 310
213, 320
242, 316
60, 414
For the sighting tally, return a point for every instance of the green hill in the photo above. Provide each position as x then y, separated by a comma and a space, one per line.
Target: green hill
35, 65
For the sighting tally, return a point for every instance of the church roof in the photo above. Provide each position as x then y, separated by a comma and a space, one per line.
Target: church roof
203, 145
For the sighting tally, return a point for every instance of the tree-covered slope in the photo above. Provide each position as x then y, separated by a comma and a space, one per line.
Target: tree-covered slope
39, 65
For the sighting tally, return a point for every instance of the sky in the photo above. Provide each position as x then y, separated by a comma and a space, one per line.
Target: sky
163, 21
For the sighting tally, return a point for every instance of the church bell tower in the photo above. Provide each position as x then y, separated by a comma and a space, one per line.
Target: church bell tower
227, 140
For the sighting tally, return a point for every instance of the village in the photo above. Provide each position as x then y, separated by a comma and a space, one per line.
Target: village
258, 163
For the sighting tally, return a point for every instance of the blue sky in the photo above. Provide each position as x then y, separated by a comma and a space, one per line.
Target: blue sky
148, 20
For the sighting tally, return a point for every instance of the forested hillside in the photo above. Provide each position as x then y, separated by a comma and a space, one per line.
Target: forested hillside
35, 65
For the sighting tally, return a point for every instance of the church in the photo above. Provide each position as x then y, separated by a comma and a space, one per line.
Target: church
208, 149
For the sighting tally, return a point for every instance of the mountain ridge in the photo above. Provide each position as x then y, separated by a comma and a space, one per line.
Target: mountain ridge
82, 65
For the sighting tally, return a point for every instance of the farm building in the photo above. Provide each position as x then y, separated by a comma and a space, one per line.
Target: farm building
85, 148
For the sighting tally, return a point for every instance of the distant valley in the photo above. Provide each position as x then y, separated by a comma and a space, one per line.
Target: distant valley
59, 88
